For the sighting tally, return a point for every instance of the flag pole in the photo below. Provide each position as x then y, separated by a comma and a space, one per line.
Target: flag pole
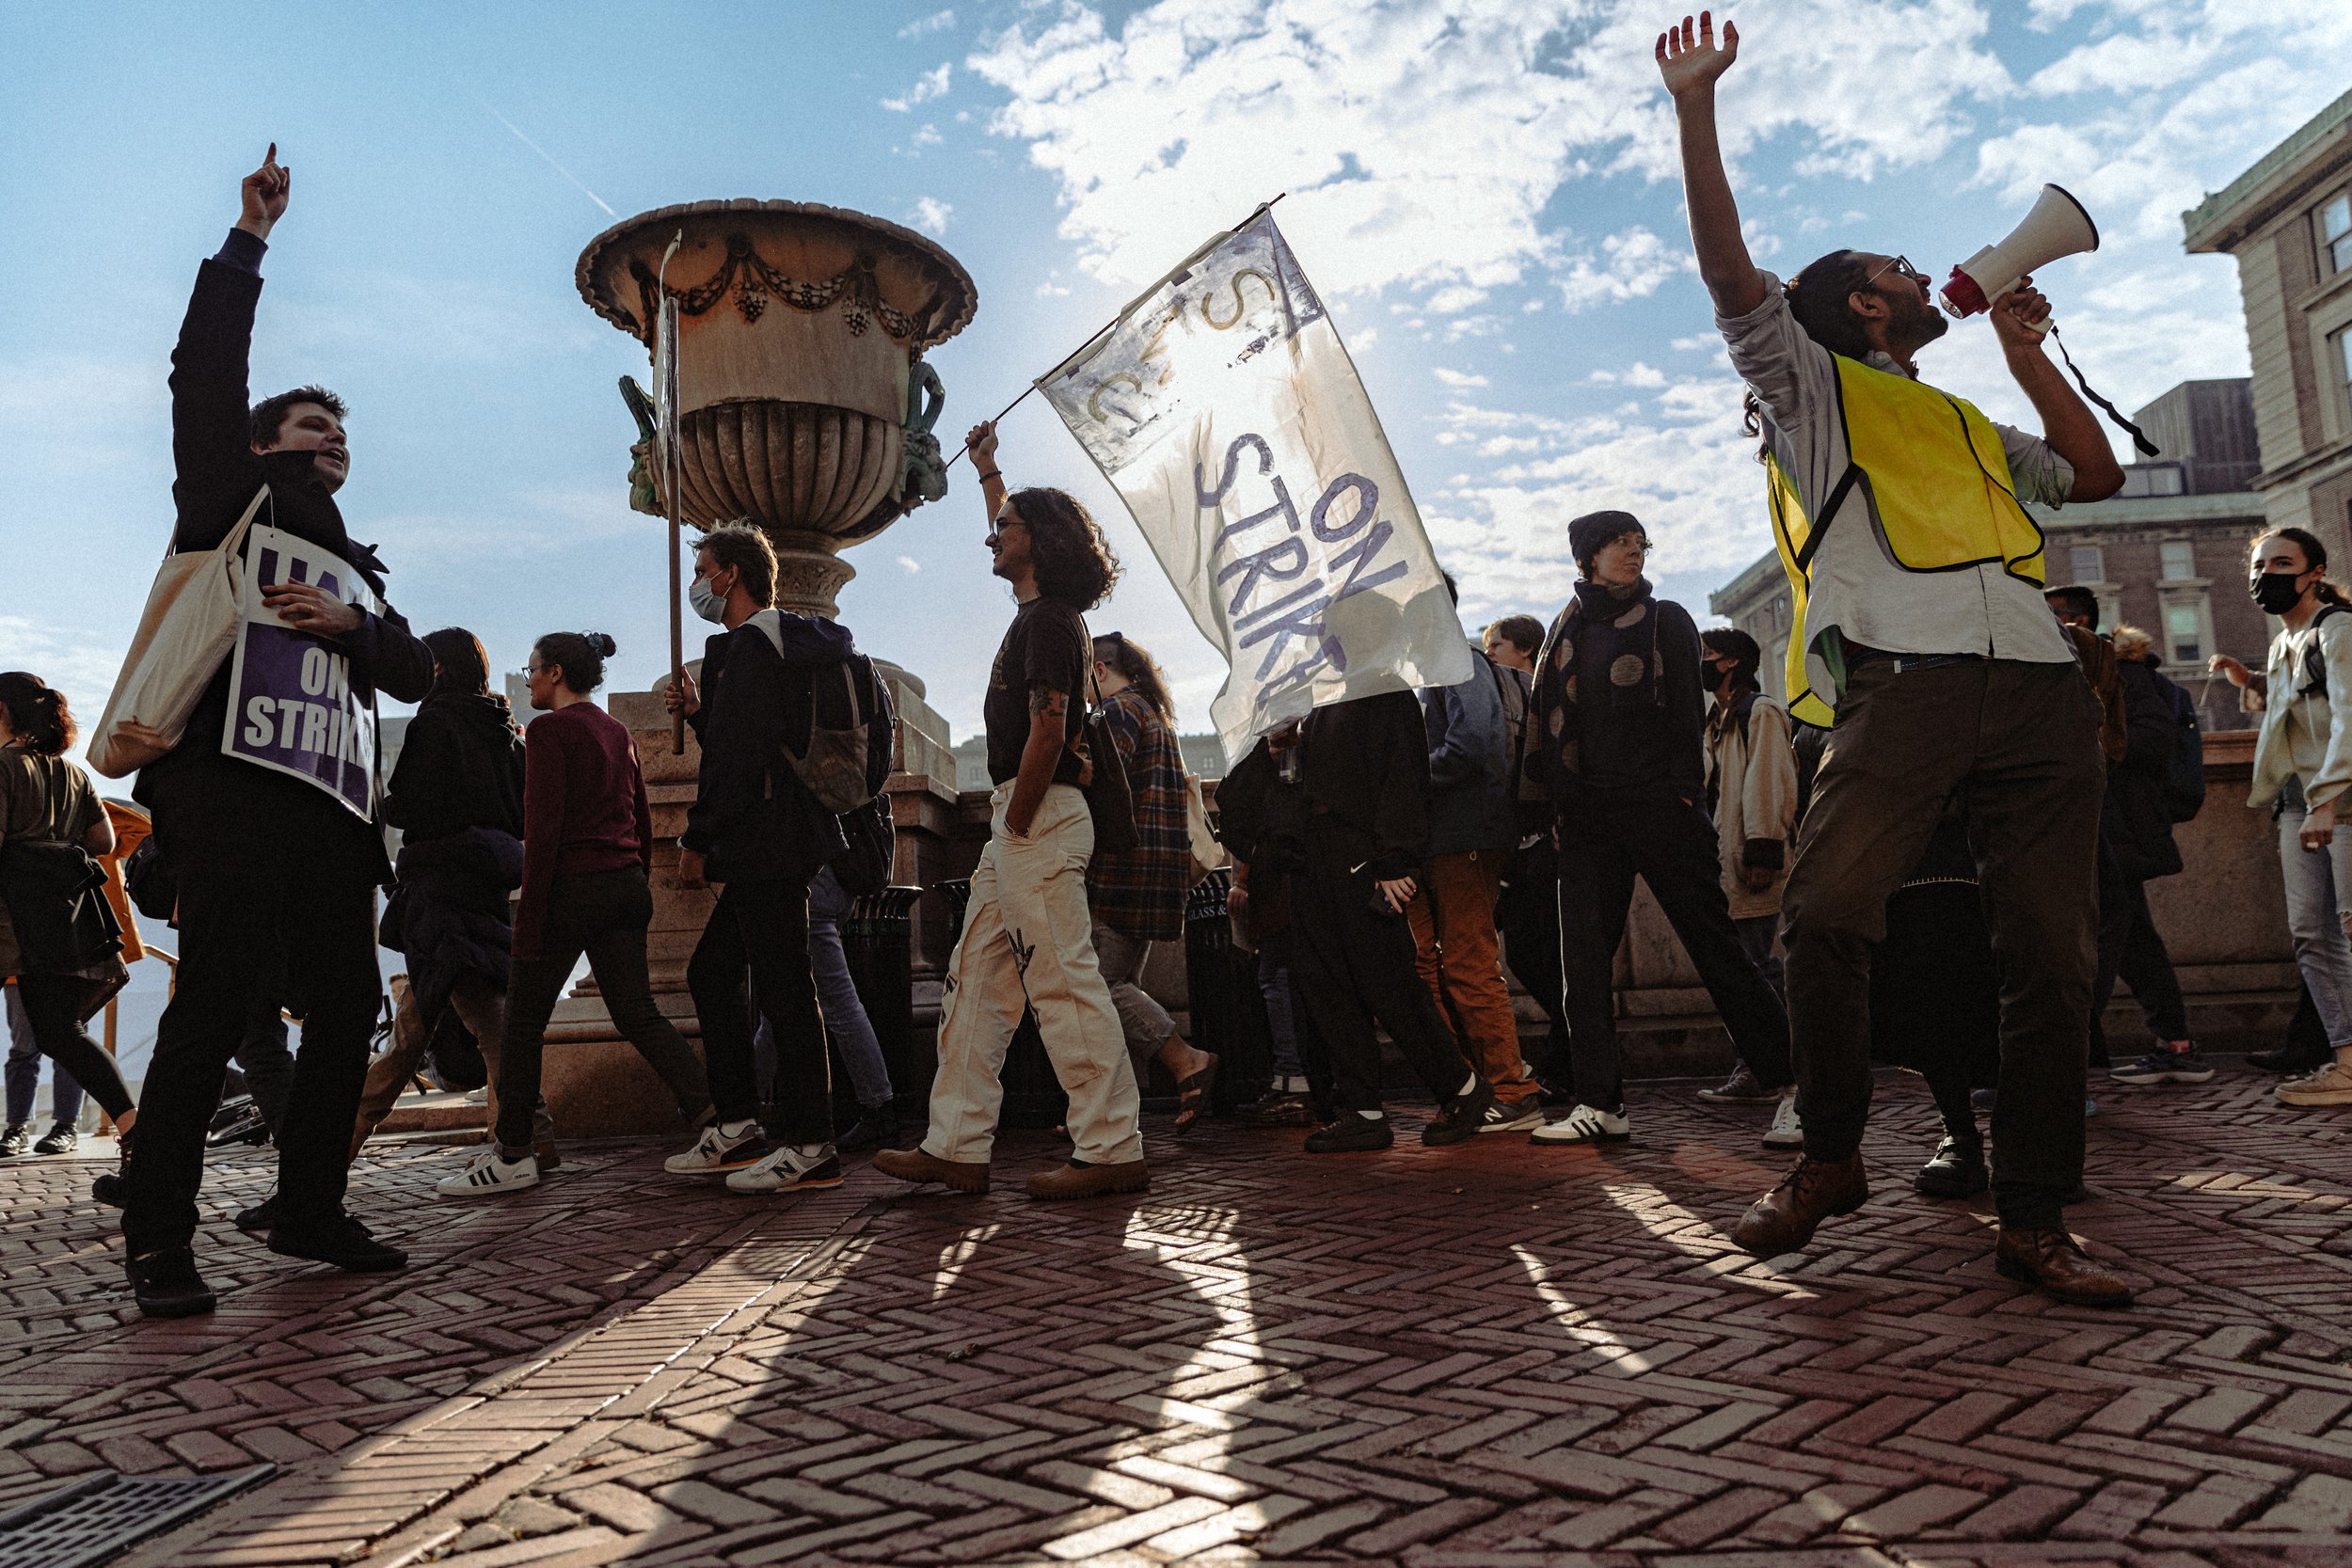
1121, 316
668, 325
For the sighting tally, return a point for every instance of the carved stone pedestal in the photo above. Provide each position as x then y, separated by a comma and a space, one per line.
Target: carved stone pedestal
595, 1083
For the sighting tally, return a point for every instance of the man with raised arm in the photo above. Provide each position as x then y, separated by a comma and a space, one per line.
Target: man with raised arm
274, 877
1916, 579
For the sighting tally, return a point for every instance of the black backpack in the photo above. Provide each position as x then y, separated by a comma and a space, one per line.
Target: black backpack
2182, 791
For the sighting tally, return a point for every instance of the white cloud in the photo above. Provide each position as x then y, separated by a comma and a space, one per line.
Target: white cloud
911, 565
1632, 264
930, 85
936, 23
1423, 141
1636, 375
930, 215
1457, 378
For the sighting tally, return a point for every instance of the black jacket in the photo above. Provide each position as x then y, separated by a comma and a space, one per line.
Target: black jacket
56, 900
214, 799
461, 765
752, 820
1367, 765
2137, 832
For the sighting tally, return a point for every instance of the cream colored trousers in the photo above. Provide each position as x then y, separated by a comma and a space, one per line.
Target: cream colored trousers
1029, 941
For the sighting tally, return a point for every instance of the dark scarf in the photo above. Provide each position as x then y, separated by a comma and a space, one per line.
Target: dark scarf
1619, 623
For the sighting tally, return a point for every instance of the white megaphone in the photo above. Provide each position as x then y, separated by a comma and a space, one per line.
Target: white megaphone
2058, 226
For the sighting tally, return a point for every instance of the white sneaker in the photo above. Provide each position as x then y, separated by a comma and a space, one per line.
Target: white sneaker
1785, 1132
1585, 1125
718, 1150
789, 1168
478, 1097
487, 1174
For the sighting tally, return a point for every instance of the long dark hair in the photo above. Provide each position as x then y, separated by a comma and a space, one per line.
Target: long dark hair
1143, 672
36, 712
2315, 559
1820, 297
579, 655
464, 668
1074, 564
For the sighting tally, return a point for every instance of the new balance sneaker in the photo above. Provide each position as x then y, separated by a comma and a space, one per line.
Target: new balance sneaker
722, 1147
788, 1168
1586, 1124
1514, 1116
1785, 1132
60, 1139
1742, 1088
2181, 1064
487, 1174
2330, 1085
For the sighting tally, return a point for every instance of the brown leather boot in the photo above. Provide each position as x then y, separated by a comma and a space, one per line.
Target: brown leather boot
2054, 1262
1076, 1180
1783, 1219
913, 1165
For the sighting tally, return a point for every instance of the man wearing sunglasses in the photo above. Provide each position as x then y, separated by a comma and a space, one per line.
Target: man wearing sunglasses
1915, 581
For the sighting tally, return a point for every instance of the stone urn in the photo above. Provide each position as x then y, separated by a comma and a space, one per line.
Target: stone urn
804, 404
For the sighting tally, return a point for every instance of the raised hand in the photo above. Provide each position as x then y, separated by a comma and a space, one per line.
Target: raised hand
265, 195
1689, 59
981, 443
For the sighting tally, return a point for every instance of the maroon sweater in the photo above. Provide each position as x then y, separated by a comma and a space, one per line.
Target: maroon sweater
585, 808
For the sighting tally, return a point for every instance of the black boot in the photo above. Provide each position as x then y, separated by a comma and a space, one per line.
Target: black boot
877, 1126
165, 1285
339, 1240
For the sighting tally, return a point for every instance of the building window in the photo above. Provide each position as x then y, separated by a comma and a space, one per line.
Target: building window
2087, 563
2179, 558
2335, 233
2184, 636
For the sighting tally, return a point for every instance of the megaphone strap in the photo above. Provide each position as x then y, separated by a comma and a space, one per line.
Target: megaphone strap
2139, 436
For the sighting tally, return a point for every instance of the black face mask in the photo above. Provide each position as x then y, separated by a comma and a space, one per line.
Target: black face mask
2274, 592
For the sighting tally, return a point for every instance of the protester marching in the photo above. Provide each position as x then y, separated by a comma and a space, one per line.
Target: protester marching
1927, 842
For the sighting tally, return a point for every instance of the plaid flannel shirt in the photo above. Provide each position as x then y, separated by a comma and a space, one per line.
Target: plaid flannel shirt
1141, 894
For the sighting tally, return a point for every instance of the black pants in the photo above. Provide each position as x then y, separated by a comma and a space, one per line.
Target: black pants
1670, 845
53, 1004
1355, 967
2132, 949
763, 927
2019, 744
1529, 915
267, 1065
257, 913
603, 914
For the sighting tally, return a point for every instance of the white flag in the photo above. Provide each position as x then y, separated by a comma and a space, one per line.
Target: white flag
1224, 410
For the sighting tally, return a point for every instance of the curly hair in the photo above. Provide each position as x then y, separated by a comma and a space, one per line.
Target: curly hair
1135, 661
269, 414
36, 712
1073, 562
745, 548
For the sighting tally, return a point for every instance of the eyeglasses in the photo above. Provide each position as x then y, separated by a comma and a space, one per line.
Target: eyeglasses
533, 671
1901, 265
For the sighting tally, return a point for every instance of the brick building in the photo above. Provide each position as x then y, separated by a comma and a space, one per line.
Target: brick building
2167, 555
2287, 222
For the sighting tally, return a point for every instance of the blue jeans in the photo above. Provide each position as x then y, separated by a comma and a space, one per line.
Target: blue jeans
845, 1023
24, 1073
2319, 893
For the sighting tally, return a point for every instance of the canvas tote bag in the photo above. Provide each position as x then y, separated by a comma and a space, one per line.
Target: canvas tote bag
189, 625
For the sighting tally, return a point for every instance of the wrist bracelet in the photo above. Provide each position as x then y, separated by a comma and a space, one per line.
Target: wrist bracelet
992, 473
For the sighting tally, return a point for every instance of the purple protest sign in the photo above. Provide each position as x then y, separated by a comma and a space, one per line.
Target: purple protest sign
290, 703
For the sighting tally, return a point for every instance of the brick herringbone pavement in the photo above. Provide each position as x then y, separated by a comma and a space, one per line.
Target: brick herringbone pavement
1494, 1355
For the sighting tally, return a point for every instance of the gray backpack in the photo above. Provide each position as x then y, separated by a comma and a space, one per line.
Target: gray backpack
833, 727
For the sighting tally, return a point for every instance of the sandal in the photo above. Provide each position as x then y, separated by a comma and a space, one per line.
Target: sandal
1192, 1097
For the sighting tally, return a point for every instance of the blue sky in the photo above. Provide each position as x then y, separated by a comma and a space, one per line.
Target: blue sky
1483, 191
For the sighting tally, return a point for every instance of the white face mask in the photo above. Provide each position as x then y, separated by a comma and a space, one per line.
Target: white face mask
706, 601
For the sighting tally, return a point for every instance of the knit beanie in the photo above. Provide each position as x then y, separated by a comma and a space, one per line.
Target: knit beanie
1588, 533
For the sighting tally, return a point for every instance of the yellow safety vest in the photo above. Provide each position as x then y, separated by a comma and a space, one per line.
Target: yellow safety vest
1938, 475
